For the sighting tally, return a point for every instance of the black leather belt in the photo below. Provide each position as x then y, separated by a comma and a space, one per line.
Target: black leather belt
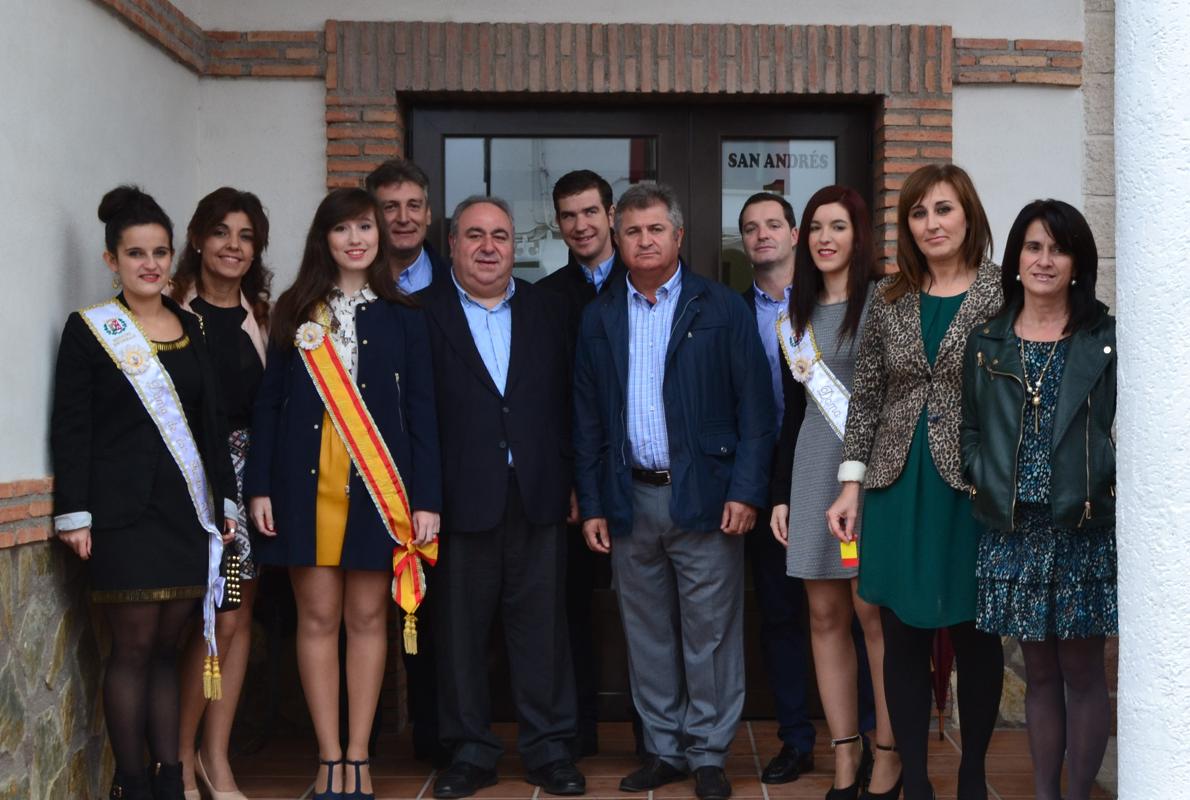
653, 477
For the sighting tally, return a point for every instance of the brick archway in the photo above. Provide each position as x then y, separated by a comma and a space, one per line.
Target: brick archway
372, 67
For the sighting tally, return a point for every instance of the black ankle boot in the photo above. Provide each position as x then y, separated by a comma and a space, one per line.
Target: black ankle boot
130, 787
167, 781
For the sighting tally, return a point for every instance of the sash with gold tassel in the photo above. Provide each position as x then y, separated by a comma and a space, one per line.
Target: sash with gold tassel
375, 465
121, 336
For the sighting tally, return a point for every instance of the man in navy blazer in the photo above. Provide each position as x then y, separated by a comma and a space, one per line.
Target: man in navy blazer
402, 190
502, 387
674, 432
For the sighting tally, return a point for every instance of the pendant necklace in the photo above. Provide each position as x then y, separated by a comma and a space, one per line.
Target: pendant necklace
1034, 390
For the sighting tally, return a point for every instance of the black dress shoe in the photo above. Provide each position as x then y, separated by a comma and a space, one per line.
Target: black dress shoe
463, 780
130, 787
787, 766
710, 783
653, 774
558, 777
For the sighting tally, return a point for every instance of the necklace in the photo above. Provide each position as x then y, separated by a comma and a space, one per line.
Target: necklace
1034, 390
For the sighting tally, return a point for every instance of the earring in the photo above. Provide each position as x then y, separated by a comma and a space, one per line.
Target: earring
1018, 277
198, 250
1073, 281
115, 281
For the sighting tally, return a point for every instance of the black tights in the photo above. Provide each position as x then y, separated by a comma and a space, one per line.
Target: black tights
1069, 714
140, 688
980, 664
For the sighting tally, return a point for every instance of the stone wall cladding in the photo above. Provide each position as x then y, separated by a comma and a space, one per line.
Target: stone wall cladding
1048, 62
906, 70
52, 741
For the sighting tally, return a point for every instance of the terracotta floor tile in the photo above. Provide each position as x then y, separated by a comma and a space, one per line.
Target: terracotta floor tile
399, 788
284, 768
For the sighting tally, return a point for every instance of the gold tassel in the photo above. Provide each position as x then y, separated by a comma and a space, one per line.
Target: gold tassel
212, 680
411, 634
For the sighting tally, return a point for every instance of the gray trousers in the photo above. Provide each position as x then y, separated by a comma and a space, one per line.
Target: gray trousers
681, 596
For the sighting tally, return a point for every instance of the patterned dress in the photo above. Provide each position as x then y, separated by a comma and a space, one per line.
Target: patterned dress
1040, 581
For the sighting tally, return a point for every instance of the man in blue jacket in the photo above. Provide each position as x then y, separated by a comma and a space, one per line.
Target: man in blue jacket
674, 432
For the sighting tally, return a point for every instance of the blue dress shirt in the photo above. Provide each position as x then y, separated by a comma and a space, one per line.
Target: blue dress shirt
417, 275
598, 275
649, 326
491, 330
767, 311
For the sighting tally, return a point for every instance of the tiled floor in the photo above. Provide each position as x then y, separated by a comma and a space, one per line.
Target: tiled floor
283, 771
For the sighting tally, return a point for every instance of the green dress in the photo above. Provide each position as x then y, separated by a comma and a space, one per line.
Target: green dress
917, 551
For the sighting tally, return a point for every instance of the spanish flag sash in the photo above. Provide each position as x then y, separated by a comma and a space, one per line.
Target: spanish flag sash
375, 465
122, 338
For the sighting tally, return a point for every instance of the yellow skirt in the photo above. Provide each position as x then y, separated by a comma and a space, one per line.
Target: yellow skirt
330, 510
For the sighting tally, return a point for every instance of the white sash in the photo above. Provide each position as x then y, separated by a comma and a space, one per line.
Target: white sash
806, 364
121, 336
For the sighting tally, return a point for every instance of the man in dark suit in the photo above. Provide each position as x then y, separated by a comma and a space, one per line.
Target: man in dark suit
403, 192
584, 212
502, 383
769, 234
674, 431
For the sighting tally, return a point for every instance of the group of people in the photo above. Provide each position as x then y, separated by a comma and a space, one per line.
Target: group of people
400, 426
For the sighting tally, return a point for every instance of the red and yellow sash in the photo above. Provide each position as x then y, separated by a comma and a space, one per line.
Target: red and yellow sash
376, 467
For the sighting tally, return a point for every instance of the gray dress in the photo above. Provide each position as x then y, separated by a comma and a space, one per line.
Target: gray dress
813, 552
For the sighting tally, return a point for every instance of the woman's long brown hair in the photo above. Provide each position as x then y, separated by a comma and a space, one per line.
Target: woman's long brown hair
318, 271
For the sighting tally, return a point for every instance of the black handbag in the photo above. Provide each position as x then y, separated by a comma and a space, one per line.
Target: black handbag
229, 570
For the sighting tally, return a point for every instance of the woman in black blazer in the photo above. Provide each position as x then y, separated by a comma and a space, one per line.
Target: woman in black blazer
305, 495
120, 499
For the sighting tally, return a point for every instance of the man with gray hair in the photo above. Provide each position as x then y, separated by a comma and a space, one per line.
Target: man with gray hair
674, 430
502, 387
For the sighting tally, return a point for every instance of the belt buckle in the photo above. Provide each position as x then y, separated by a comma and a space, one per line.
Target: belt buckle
665, 476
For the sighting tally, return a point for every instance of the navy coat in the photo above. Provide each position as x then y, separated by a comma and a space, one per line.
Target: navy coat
397, 384
718, 408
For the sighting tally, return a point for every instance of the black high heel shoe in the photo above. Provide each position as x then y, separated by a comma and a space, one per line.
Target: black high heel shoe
130, 787
865, 762
357, 794
895, 791
328, 793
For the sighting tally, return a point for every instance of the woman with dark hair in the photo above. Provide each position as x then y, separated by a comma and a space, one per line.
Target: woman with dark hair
139, 449
221, 277
1039, 402
343, 477
834, 267
917, 554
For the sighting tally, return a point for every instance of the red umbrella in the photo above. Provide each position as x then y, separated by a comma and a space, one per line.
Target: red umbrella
941, 661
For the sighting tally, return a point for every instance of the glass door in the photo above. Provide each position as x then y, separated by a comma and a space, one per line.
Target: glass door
523, 170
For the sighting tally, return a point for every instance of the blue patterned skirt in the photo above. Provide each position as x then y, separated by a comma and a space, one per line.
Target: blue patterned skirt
1040, 581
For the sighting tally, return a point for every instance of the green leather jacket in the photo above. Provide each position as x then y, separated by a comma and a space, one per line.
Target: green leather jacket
1083, 484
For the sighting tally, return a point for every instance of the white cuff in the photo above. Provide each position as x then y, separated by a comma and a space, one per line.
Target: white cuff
72, 521
230, 510
852, 471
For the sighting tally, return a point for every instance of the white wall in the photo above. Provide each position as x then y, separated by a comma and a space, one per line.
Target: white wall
87, 105
267, 137
1019, 143
1152, 127
1009, 18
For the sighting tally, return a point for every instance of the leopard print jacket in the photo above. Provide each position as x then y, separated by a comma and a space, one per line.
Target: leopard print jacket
894, 381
